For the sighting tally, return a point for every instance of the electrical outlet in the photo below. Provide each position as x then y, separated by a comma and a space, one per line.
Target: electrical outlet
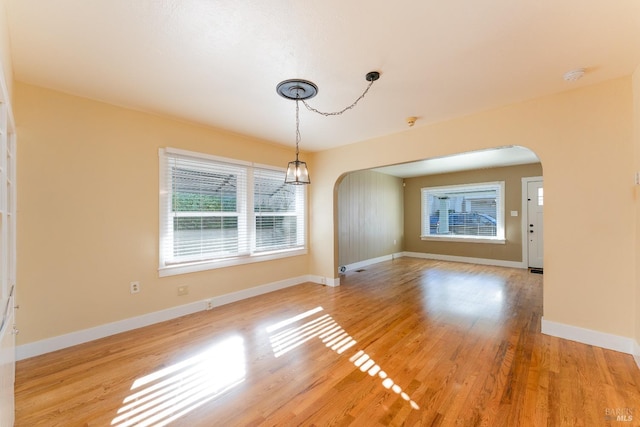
208, 304
323, 280
134, 287
183, 290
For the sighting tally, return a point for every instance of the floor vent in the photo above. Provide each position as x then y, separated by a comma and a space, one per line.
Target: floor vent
360, 270
536, 270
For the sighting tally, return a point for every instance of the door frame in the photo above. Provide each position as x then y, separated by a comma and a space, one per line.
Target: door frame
523, 222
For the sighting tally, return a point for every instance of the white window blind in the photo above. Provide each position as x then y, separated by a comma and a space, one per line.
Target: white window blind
471, 211
214, 209
279, 212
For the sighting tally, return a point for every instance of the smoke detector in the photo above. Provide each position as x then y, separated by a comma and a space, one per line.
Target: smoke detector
574, 75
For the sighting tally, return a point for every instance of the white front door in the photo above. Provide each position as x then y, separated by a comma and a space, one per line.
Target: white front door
535, 203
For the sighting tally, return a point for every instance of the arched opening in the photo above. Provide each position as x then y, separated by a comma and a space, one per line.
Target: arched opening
382, 212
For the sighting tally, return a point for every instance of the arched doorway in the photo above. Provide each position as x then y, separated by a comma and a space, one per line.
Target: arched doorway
380, 211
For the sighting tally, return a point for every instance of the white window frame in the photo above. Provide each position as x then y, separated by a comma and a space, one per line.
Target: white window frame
246, 219
425, 225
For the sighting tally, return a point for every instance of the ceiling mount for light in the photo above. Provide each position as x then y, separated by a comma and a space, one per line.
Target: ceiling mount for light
372, 76
301, 90
574, 75
297, 89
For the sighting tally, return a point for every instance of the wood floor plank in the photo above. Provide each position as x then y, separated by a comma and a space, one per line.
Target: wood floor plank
407, 342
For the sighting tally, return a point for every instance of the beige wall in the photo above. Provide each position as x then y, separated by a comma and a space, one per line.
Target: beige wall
510, 251
370, 216
584, 140
5, 48
636, 144
88, 213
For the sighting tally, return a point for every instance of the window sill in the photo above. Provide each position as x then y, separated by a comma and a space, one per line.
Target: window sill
192, 267
492, 240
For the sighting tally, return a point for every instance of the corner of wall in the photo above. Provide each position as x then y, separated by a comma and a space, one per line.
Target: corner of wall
635, 81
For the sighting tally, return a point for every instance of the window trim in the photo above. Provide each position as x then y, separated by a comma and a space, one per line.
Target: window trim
165, 269
500, 237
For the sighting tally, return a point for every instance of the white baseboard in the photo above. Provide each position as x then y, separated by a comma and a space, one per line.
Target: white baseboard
332, 282
438, 257
365, 263
74, 338
636, 353
321, 280
469, 260
588, 336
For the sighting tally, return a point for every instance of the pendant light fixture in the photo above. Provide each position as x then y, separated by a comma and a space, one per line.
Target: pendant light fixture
301, 90
298, 90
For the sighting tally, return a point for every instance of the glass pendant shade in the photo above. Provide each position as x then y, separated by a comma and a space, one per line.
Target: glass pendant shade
297, 173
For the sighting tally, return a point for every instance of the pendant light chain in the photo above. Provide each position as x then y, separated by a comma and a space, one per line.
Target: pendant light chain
337, 113
301, 90
298, 138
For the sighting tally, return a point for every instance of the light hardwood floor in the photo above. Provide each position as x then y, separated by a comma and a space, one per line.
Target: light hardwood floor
405, 342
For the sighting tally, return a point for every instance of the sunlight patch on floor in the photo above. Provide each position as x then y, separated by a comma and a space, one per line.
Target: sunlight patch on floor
167, 394
335, 338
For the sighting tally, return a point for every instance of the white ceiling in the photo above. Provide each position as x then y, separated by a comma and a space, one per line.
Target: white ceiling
217, 62
497, 157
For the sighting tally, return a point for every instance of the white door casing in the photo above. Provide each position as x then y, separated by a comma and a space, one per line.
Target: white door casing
8, 191
534, 224
7, 363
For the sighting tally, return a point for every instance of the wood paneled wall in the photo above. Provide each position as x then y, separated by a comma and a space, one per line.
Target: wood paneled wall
370, 216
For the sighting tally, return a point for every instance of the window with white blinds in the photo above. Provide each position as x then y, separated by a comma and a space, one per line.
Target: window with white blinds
278, 211
470, 212
217, 212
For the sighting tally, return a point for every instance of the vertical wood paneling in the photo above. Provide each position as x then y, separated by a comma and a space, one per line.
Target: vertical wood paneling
370, 216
